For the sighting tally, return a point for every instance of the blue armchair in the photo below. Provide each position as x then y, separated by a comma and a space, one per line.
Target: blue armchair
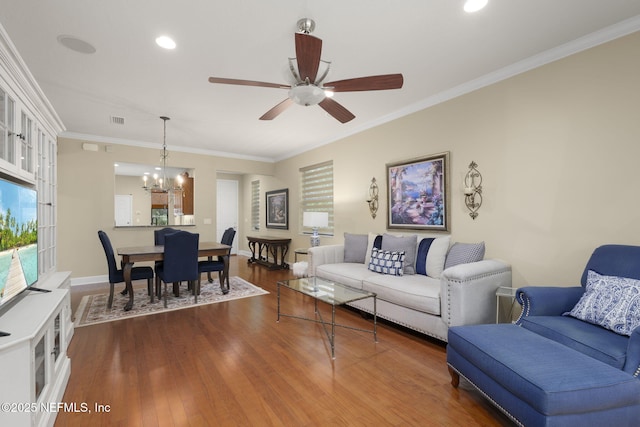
543, 309
554, 369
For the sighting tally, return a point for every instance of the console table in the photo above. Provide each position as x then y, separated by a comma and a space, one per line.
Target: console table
263, 247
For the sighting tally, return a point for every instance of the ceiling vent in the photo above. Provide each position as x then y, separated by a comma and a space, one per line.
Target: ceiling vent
115, 120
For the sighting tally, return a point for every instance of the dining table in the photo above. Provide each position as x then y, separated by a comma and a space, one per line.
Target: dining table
133, 254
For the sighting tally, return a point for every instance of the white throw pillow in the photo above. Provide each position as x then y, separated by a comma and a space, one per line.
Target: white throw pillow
437, 255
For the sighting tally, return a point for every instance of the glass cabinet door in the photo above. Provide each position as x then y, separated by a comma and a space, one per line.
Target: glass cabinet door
56, 338
40, 366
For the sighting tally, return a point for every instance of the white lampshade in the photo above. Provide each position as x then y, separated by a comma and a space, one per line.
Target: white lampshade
315, 219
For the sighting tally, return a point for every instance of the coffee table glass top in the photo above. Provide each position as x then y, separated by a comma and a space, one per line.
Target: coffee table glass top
325, 290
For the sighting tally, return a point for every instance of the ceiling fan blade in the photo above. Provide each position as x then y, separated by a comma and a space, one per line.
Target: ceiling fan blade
336, 110
383, 82
275, 111
308, 51
246, 83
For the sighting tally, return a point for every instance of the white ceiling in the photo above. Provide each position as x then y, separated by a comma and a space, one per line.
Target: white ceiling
441, 51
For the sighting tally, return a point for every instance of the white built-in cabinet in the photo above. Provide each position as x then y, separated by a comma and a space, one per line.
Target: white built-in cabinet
35, 366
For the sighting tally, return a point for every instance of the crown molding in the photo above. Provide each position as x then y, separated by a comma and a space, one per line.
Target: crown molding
589, 41
142, 144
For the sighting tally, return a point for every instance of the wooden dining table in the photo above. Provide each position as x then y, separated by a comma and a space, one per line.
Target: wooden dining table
133, 254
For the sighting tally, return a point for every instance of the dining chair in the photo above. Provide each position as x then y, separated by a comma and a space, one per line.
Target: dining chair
159, 235
158, 240
180, 261
117, 275
210, 265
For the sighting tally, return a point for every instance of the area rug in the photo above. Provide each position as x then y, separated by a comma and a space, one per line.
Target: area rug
93, 308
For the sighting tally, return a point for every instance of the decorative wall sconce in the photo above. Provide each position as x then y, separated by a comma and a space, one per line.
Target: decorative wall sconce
372, 198
473, 190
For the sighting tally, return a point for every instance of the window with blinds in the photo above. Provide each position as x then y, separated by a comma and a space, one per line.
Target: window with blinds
316, 194
255, 205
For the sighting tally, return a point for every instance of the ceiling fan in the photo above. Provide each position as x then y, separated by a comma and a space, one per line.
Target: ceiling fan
309, 87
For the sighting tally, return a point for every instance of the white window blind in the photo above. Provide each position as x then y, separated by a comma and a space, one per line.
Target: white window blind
316, 194
255, 205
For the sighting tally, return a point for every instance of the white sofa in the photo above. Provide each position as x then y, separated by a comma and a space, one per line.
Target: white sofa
428, 301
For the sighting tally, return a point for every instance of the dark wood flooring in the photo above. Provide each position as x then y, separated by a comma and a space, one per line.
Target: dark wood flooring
232, 364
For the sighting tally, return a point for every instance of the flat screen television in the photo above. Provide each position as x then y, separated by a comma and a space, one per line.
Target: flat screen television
18, 240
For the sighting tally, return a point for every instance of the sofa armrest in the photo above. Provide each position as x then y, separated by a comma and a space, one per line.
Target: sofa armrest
632, 362
468, 291
329, 254
547, 300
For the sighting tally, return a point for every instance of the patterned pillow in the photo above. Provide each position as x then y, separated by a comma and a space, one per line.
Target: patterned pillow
387, 262
611, 302
462, 253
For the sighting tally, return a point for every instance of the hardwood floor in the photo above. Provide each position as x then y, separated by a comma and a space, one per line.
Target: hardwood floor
232, 364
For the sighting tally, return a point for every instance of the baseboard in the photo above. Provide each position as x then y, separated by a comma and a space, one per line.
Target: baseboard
89, 280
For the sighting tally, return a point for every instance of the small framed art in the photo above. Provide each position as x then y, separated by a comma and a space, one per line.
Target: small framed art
278, 209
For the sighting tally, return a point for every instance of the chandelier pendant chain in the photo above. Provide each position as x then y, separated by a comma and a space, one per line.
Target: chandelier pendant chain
165, 154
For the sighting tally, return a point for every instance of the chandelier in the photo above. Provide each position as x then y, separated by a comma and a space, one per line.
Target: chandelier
160, 184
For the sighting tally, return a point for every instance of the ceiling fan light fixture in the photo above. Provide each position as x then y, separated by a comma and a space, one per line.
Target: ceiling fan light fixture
471, 6
166, 42
307, 94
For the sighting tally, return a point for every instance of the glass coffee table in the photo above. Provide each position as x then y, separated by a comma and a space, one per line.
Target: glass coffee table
331, 293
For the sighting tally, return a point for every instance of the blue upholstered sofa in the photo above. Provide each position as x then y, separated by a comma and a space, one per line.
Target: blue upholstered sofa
573, 356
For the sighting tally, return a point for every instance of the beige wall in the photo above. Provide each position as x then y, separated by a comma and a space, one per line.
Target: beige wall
557, 148
86, 185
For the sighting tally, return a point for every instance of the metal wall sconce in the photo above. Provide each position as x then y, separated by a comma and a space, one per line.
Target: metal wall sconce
372, 198
473, 190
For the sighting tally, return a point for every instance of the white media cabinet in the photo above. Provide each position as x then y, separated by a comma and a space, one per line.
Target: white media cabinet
34, 366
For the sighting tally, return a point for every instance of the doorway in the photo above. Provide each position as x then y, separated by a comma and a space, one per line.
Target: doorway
227, 209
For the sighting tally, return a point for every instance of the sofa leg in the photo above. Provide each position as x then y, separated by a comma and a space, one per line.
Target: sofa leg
455, 377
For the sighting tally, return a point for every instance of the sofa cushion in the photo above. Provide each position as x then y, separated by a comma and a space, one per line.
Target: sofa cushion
355, 247
463, 253
387, 262
584, 337
431, 255
414, 291
406, 244
611, 302
548, 376
350, 274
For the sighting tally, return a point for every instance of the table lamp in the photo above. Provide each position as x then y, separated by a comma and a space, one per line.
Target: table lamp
315, 220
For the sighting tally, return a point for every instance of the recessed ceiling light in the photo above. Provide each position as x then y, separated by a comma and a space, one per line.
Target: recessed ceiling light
471, 6
75, 44
166, 42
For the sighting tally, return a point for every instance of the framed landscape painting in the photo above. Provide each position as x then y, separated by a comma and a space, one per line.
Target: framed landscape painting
418, 193
278, 209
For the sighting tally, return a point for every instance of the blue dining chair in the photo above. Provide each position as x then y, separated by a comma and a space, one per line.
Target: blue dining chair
210, 265
158, 240
117, 275
159, 235
180, 261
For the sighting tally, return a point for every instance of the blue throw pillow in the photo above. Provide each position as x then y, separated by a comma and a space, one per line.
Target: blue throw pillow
421, 257
611, 302
387, 262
